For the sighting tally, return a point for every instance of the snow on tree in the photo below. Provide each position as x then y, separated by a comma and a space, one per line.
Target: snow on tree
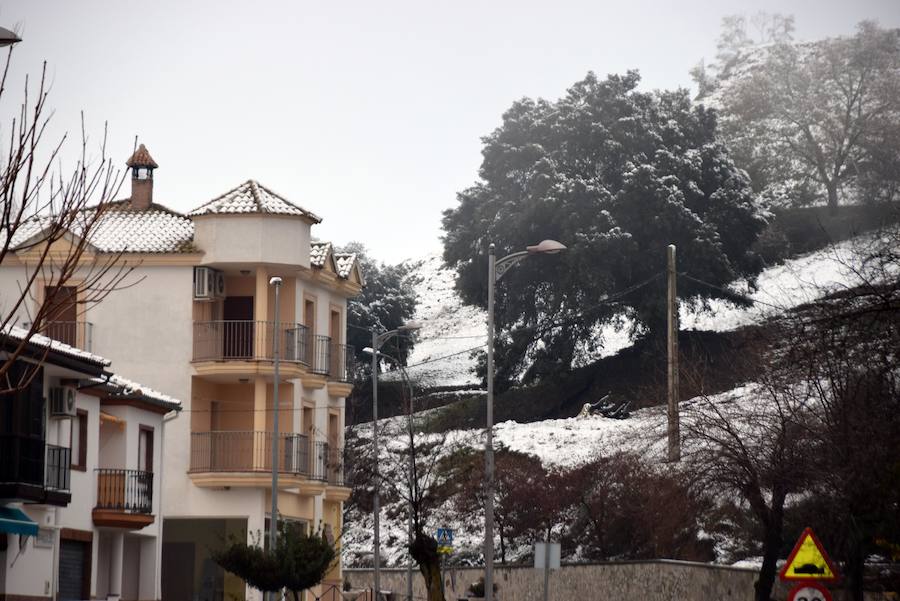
813, 120
387, 301
616, 175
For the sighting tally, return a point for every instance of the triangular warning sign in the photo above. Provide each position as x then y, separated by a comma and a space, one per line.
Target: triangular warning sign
809, 561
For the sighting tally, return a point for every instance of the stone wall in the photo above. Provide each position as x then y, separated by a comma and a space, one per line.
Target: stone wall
639, 580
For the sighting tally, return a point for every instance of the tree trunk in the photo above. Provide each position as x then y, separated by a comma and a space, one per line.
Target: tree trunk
772, 540
832, 198
424, 552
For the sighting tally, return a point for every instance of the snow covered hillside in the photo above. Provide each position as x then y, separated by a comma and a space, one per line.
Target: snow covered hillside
451, 330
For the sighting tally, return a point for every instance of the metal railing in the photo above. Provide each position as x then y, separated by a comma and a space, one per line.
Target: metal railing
246, 451
31, 461
74, 333
341, 362
129, 491
248, 340
334, 465
320, 355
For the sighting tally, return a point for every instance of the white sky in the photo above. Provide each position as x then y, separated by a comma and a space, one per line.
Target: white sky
367, 113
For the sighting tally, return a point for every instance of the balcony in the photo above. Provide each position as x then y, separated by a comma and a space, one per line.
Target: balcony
244, 458
74, 333
124, 498
34, 471
242, 348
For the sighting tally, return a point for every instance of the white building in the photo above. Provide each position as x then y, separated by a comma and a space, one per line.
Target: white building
199, 323
80, 457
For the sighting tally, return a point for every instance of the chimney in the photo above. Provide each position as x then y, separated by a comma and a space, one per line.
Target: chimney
142, 166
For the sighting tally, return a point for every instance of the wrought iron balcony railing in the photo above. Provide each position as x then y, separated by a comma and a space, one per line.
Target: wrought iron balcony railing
246, 340
247, 451
27, 460
128, 491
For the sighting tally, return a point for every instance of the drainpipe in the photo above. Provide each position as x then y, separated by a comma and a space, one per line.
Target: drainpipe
157, 580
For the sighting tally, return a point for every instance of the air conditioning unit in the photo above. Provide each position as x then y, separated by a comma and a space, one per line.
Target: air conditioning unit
209, 284
62, 401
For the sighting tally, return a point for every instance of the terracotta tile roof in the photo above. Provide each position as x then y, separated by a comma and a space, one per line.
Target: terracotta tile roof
252, 197
121, 387
123, 229
318, 253
40, 341
141, 158
344, 263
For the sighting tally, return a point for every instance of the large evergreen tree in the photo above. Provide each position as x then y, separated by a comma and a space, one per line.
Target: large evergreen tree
615, 174
387, 301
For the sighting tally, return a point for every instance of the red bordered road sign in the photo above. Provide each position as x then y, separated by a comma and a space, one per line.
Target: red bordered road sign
809, 591
809, 561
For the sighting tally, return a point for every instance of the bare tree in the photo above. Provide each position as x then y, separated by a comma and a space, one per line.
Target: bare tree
46, 222
755, 448
816, 109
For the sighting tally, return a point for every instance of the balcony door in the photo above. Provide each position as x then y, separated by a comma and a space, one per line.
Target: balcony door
237, 327
62, 314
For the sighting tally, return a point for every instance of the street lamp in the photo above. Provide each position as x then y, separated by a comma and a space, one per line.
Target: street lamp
276, 358
378, 341
7, 37
496, 270
409, 524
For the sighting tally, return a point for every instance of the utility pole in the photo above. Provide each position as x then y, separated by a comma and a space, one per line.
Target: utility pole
674, 431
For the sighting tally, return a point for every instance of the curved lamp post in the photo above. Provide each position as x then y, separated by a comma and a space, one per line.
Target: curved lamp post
378, 341
496, 270
7, 37
409, 525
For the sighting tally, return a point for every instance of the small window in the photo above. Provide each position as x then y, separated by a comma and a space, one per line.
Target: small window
145, 449
79, 440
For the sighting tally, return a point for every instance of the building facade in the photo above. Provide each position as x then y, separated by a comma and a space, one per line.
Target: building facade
200, 322
80, 458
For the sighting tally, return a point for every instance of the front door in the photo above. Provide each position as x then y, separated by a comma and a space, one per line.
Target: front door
237, 327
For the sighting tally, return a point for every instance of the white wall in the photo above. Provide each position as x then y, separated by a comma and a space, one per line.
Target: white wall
10, 276
252, 238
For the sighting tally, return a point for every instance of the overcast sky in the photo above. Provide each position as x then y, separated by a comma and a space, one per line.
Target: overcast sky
367, 113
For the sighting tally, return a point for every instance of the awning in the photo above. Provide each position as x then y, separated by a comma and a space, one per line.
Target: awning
15, 521
109, 418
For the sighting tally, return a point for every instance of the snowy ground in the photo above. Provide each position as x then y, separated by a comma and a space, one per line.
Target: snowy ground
564, 443
450, 329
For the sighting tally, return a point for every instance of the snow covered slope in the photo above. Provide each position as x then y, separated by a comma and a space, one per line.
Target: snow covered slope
450, 330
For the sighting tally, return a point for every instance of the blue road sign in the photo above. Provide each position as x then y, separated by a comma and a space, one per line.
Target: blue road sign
444, 537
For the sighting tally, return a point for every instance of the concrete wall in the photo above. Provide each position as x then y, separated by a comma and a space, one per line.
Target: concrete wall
647, 581
252, 238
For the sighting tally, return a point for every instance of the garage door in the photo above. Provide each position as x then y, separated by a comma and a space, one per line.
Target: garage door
74, 557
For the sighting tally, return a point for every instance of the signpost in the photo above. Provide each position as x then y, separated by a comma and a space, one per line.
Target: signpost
444, 539
809, 566
546, 557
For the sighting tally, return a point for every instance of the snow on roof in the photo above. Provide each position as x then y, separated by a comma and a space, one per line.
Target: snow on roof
124, 387
119, 385
344, 262
123, 229
318, 253
252, 197
41, 341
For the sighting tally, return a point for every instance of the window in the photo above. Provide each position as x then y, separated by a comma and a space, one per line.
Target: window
145, 449
79, 440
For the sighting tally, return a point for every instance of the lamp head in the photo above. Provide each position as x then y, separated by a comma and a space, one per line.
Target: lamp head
275, 281
7, 37
546, 247
410, 326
